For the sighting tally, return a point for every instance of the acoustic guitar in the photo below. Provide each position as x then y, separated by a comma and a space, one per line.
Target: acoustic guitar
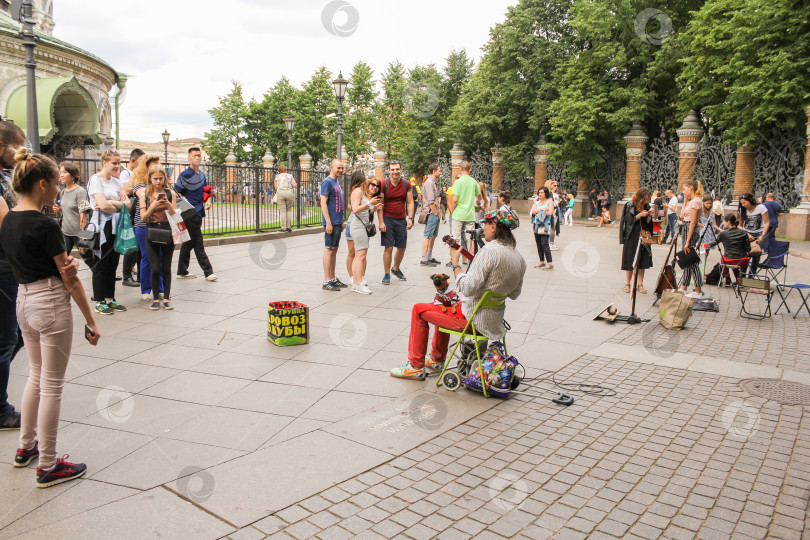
450, 241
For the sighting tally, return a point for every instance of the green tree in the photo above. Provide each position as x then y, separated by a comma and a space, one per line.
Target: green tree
422, 102
389, 111
360, 121
316, 133
265, 122
228, 133
507, 99
618, 75
748, 66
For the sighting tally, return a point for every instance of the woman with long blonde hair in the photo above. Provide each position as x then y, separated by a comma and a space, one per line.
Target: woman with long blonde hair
138, 182
156, 201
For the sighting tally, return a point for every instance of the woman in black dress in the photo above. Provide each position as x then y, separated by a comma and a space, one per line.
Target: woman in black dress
637, 216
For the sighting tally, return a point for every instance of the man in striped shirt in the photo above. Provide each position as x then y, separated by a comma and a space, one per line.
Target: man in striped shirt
498, 267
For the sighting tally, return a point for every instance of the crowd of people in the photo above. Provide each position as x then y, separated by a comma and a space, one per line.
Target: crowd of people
390, 207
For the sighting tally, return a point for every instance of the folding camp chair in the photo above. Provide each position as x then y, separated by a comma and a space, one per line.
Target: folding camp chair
733, 271
490, 300
775, 266
800, 288
757, 286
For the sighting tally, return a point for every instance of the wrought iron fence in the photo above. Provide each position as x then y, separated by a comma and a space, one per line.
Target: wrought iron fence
243, 196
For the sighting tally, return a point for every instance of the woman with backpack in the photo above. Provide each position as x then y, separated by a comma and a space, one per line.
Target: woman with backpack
155, 201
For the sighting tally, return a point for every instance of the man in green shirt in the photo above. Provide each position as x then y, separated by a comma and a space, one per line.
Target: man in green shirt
465, 192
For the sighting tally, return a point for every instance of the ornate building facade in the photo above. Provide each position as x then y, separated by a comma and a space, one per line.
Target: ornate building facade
73, 86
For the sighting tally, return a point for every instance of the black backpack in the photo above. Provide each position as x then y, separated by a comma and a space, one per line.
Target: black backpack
713, 277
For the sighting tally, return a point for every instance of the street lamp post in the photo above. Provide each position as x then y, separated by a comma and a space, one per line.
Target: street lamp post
290, 123
30, 42
340, 85
165, 136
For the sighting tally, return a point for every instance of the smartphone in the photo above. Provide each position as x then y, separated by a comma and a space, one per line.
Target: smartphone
161, 196
88, 332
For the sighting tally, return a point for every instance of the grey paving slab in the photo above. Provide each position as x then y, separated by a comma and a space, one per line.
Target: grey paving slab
85, 495
336, 406
239, 365
231, 428
283, 399
194, 387
294, 428
144, 414
153, 513
161, 461
324, 376
321, 461
133, 377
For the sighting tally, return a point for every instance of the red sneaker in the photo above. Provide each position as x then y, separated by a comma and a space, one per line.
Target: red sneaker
63, 472
24, 457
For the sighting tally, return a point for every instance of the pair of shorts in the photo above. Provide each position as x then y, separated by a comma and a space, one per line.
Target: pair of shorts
396, 233
332, 241
432, 226
459, 227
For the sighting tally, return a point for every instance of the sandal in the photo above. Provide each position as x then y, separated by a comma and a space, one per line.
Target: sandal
626, 288
541, 265
642, 290
549, 267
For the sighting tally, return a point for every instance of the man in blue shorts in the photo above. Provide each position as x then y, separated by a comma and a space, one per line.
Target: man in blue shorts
430, 206
332, 209
396, 219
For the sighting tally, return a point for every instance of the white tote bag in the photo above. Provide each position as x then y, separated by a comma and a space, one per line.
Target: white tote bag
179, 232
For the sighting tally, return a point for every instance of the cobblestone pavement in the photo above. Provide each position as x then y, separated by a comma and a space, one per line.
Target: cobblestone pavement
194, 426
674, 454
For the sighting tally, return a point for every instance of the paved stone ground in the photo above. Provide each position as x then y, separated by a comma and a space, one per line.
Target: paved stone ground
194, 426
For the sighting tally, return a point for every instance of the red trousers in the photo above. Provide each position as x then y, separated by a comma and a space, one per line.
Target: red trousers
421, 316
742, 263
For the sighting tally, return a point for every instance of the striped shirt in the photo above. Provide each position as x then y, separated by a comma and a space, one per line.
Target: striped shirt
497, 268
137, 221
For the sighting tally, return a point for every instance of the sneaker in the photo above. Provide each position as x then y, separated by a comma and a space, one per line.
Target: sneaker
399, 274
433, 366
211, 277
362, 289
104, 309
339, 283
24, 457
330, 286
115, 305
428, 263
10, 421
386, 280
449, 265
409, 372
64, 471
434, 261
186, 276
129, 282
166, 305
155, 306
118, 278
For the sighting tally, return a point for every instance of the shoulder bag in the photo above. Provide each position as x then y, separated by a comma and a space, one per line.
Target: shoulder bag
684, 259
187, 210
88, 239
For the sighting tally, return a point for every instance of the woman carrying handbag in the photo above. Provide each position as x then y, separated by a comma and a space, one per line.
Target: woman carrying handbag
636, 222
362, 211
155, 201
690, 216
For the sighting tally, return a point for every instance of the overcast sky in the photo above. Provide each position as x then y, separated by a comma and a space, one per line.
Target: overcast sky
182, 54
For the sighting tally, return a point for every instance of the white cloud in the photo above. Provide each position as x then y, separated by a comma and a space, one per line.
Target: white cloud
182, 54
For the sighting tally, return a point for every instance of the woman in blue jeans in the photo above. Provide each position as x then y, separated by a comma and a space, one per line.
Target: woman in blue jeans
139, 184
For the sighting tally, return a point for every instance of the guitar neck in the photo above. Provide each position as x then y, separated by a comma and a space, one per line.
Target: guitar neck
455, 245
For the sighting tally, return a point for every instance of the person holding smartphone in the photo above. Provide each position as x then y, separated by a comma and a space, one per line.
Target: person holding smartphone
48, 279
155, 201
363, 202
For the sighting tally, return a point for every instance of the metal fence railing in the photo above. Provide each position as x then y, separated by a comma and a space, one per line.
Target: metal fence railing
243, 201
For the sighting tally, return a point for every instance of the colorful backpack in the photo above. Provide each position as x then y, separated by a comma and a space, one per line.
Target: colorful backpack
498, 370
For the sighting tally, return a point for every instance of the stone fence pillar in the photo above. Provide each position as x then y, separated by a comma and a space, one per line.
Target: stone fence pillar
456, 157
743, 173
797, 223
230, 176
636, 141
380, 158
268, 160
497, 169
689, 135
540, 163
